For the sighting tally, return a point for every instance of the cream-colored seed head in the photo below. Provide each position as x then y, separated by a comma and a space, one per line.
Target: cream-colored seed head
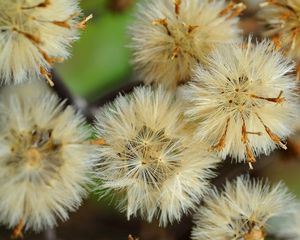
34, 34
169, 37
44, 160
287, 227
245, 103
160, 172
293, 230
283, 24
242, 211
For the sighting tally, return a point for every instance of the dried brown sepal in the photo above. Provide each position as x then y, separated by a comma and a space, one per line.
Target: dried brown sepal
249, 152
47, 76
276, 41
228, 8
29, 36
285, 16
232, 10
18, 230
237, 10
250, 156
82, 25
244, 132
278, 99
98, 141
272, 135
50, 60
177, 6
163, 22
191, 28
275, 138
63, 24
221, 144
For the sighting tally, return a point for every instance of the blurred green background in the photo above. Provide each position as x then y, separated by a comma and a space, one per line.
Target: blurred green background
100, 59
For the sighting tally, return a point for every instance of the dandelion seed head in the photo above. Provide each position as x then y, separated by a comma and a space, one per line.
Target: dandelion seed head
287, 226
146, 157
44, 160
242, 210
282, 21
34, 34
245, 102
169, 37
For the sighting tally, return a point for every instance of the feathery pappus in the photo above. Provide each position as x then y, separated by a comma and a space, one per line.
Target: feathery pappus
45, 162
281, 18
287, 227
146, 159
35, 34
242, 210
244, 103
169, 37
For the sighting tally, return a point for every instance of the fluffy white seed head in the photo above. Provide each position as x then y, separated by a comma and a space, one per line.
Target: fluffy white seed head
244, 103
169, 37
34, 34
287, 227
44, 160
158, 171
281, 18
242, 210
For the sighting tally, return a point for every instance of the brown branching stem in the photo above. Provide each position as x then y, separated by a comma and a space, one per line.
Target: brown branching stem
88, 109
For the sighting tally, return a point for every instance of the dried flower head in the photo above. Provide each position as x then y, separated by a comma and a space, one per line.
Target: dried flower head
44, 160
242, 210
34, 34
287, 227
169, 37
244, 103
282, 21
145, 157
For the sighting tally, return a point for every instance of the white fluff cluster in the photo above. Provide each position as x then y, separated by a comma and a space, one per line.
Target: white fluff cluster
281, 18
242, 210
169, 37
159, 171
287, 227
293, 230
244, 103
44, 160
34, 34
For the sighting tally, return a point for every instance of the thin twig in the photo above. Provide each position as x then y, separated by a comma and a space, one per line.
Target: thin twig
61, 89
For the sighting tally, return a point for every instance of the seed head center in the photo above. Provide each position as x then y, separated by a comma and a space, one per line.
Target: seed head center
255, 234
33, 157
